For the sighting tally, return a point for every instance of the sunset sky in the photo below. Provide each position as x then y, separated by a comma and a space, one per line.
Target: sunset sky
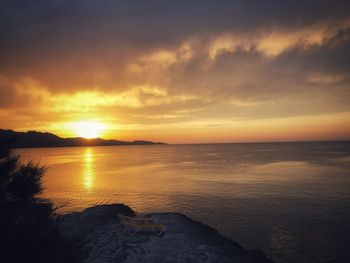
177, 71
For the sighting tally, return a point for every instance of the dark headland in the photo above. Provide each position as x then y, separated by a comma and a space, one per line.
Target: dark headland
34, 139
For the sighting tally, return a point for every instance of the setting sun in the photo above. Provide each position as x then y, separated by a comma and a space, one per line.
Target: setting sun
88, 129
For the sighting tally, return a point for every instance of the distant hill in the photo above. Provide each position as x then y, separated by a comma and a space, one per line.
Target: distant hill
33, 139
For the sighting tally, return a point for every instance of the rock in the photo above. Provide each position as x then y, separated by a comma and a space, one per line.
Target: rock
105, 240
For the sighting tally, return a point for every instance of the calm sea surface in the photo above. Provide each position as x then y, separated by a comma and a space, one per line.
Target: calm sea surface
292, 200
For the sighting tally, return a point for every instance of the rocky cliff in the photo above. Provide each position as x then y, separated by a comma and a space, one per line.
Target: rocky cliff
105, 239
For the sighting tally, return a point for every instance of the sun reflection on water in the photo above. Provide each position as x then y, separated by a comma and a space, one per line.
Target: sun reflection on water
89, 176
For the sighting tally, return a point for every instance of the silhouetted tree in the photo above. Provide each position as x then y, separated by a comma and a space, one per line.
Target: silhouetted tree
28, 232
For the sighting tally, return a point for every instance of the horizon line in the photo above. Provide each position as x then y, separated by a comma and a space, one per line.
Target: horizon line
194, 143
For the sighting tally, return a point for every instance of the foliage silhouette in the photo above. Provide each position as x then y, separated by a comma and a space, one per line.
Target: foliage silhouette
27, 223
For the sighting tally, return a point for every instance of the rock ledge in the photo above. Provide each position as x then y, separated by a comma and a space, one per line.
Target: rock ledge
105, 240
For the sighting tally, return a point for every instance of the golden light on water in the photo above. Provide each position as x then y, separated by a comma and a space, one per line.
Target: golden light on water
89, 176
88, 129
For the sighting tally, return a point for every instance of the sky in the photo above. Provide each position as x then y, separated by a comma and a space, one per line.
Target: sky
177, 71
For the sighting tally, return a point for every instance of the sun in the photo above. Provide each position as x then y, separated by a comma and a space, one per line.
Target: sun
88, 129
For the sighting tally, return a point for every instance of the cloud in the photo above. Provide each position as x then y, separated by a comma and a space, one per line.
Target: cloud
154, 62
8, 95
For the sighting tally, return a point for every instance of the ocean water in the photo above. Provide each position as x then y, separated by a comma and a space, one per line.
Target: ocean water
291, 200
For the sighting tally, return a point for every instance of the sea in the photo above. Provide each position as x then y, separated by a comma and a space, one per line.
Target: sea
290, 200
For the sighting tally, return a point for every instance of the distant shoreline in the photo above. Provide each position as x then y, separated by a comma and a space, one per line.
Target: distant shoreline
77, 146
34, 139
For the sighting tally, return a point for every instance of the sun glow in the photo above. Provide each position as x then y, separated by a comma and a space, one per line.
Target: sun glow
88, 129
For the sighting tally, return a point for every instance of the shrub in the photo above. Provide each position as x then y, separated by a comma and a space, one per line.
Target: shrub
28, 232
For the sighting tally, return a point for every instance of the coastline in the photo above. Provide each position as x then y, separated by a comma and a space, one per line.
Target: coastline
105, 240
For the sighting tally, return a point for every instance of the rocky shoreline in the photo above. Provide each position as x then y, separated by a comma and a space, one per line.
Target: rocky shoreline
105, 240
